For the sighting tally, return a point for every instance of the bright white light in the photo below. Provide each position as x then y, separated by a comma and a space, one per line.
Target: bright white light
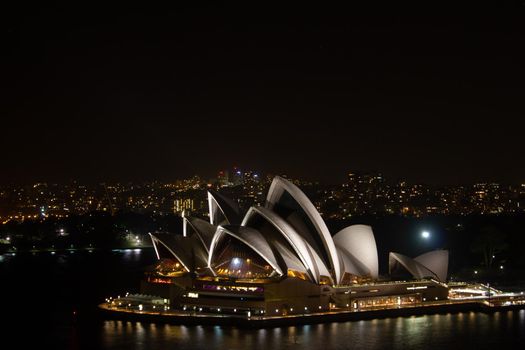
425, 234
236, 261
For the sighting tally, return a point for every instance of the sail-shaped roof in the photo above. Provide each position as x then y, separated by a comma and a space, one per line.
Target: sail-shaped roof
222, 209
289, 202
359, 245
429, 265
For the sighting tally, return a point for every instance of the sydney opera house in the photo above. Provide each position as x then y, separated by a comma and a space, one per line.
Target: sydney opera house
281, 259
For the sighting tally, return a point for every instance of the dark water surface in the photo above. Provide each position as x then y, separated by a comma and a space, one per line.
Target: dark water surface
49, 301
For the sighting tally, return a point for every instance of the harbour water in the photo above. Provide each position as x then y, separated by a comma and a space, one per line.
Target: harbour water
49, 300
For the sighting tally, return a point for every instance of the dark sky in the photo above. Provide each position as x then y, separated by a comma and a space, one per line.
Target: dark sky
98, 93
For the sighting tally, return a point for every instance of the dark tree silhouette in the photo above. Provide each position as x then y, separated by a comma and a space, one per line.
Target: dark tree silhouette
488, 243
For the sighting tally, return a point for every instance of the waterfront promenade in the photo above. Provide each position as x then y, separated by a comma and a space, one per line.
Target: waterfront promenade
193, 317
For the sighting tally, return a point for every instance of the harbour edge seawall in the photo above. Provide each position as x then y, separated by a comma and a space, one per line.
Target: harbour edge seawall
301, 319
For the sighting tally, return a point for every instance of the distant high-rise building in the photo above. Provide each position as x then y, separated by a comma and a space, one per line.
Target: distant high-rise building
184, 204
237, 177
223, 178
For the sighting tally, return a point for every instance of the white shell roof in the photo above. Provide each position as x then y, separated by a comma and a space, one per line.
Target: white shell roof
298, 240
203, 229
299, 245
358, 242
351, 264
187, 250
252, 238
438, 261
220, 204
278, 187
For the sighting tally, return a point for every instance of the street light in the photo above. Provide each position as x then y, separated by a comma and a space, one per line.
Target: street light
425, 234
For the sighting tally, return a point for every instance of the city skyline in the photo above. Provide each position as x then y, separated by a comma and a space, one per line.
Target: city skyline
360, 194
126, 94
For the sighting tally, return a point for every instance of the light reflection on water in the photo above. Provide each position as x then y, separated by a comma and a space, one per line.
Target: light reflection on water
463, 330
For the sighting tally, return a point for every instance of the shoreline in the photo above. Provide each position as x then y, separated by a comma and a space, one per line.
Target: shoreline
73, 250
300, 319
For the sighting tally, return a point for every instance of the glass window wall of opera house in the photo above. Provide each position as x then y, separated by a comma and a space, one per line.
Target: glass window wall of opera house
281, 259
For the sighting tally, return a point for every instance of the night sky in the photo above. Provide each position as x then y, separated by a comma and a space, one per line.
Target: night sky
107, 94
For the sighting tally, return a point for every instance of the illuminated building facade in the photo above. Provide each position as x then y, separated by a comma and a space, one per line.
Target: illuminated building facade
181, 204
280, 258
